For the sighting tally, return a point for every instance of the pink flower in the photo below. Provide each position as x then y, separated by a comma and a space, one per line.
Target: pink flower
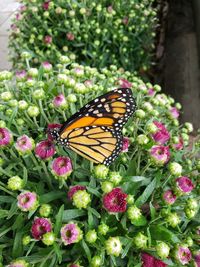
183, 255
45, 5
40, 227
88, 83
160, 154
59, 101
48, 39
151, 92
27, 201
52, 126
115, 201
174, 113
47, 66
110, 9
45, 149
125, 20
18, 16
162, 135
70, 233
184, 184
150, 261
24, 144
169, 197
70, 36
21, 75
62, 166
5, 137
179, 145
74, 189
22, 8
197, 259
123, 83
125, 145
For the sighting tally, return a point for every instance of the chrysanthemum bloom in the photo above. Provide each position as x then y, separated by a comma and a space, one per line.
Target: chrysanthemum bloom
179, 145
47, 66
61, 167
5, 137
197, 258
45, 149
160, 155
40, 227
70, 36
48, 39
123, 83
150, 261
115, 201
52, 126
45, 5
125, 144
113, 246
162, 135
174, 113
175, 168
59, 101
183, 255
19, 263
24, 144
81, 199
151, 92
20, 75
18, 16
184, 184
71, 233
27, 201
74, 189
169, 197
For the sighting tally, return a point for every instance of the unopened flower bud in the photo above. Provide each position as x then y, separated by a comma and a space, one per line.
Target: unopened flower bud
101, 171
39, 94
26, 240
6, 96
175, 168
33, 72
142, 139
103, 229
113, 246
107, 186
33, 111
15, 183
91, 236
139, 113
45, 210
81, 199
140, 240
48, 238
162, 250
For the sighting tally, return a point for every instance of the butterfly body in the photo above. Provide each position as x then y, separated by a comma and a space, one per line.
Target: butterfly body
95, 131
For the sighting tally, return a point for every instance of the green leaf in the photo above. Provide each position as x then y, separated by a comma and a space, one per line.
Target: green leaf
13, 210
3, 213
94, 191
17, 245
146, 194
126, 249
72, 214
135, 179
131, 168
140, 222
58, 252
152, 211
160, 232
25, 175
86, 249
59, 219
46, 198
94, 212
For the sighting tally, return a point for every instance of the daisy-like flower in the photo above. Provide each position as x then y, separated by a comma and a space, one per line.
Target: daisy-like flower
51, 127
27, 201
169, 197
174, 113
151, 92
162, 135
179, 145
45, 149
160, 155
5, 137
125, 144
61, 167
59, 101
183, 255
71, 233
123, 83
115, 201
48, 39
74, 189
47, 66
150, 261
184, 184
19, 263
40, 227
21, 75
24, 144
113, 246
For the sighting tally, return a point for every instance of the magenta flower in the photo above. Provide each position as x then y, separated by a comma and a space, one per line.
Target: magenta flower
48, 39
62, 167
197, 259
24, 144
45, 149
169, 197
123, 83
162, 135
70, 36
52, 126
174, 113
21, 75
70, 233
22, 8
151, 92
179, 145
125, 144
88, 83
45, 5
183, 255
27, 201
47, 66
74, 189
115, 201
125, 20
5, 137
59, 101
184, 184
18, 16
160, 154
40, 227
149, 261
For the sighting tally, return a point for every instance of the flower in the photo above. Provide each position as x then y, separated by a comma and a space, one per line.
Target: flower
115, 201
5, 137
197, 258
113, 246
15, 183
96, 261
91, 236
184, 184
48, 39
115, 177
45, 149
70, 233
20, 75
175, 168
101, 171
24, 144
123, 83
179, 144
174, 112
107, 186
149, 261
27, 201
74, 189
103, 229
125, 144
160, 155
81, 199
183, 255
169, 197
40, 227
59, 101
48, 238
151, 92
19, 263
172, 219
162, 135
45, 210
46, 66
162, 250
61, 167
33, 111
70, 36
140, 240
45, 5
52, 126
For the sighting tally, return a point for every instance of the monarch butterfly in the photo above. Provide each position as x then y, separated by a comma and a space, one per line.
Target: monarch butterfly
95, 131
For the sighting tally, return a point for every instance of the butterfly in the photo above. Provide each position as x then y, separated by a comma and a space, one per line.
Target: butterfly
95, 131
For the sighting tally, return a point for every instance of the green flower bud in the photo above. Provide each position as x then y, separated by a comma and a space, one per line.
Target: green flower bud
33, 111
5, 75
2, 124
72, 13
175, 168
106, 186
15, 183
38, 94
189, 126
140, 240
33, 72
45, 210
192, 203
26, 55
162, 250
151, 127
30, 83
80, 88
96, 261
101, 171
189, 241
115, 177
113, 246
130, 199
64, 59
20, 263
82, 11
103, 229
72, 98
157, 88
91, 236
142, 139
26, 240
13, 103
9, 112
20, 122
175, 139
147, 106
62, 78
6, 96
139, 113
48, 238
81, 199
178, 106
172, 219
190, 213
134, 213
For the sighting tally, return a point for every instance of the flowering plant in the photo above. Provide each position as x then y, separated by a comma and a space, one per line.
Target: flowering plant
95, 32
57, 208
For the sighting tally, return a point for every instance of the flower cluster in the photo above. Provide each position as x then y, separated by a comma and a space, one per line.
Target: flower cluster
59, 209
94, 32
